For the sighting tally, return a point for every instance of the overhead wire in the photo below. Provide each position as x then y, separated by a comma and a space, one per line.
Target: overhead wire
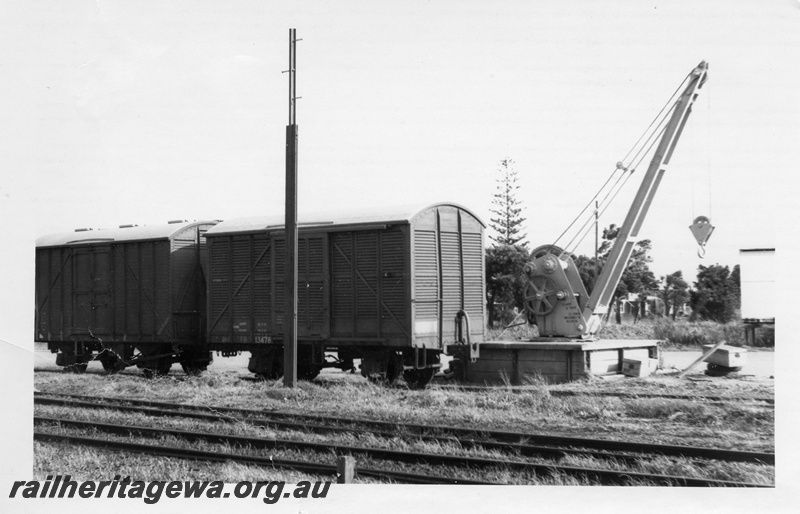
696, 188
587, 206
589, 219
616, 190
669, 102
708, 150
638, 146
641, 148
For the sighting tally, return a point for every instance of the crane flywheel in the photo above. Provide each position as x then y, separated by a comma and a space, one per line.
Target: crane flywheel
541, 292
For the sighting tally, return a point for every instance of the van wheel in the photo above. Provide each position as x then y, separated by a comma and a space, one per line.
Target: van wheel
111, 363
418, 378
193, 368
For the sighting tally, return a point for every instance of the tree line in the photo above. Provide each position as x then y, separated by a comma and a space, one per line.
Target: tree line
716, 294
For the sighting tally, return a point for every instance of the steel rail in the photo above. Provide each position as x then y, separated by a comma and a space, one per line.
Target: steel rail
65, 371
497, 435
512, 389
202, 455
648, 396
514, 448
605, 477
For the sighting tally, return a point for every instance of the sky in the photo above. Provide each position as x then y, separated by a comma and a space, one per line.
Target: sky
146, 112
141, 112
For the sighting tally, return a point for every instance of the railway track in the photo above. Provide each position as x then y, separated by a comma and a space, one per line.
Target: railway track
768, 402
200, 455
505, 447
548, 447
601, 476
521, 443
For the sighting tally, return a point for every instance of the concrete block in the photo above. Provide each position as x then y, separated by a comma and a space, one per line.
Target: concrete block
727, 356
639, 368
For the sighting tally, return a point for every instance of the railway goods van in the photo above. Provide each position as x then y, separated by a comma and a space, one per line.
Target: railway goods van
131, 295
391, 288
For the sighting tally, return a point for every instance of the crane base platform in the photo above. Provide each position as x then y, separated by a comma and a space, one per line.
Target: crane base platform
556, 361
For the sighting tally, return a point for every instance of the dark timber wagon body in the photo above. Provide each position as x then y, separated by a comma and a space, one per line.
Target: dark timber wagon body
107, 292
383, 287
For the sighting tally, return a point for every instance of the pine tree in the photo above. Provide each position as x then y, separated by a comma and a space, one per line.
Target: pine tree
507, 208
505, 285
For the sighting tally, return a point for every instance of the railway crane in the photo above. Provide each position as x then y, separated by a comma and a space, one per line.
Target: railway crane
556, 300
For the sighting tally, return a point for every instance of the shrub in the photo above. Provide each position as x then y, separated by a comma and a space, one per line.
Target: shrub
641, 330
685, 334
680, 333
518, 333
505, 283
689, 334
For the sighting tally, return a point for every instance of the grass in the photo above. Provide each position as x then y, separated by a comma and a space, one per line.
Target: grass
83, 463
497, 408
78, 465
677, 334
535, 410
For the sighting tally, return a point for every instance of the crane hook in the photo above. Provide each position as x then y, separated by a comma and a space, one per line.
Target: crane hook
702, 230
701, 252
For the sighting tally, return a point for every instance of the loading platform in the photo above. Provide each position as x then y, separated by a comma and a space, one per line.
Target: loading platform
512, 362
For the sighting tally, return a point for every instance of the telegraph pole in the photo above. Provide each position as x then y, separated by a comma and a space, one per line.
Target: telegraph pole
596, 239
290, 311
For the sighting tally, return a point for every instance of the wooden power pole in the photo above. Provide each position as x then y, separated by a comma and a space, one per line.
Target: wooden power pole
596, 239
290, 312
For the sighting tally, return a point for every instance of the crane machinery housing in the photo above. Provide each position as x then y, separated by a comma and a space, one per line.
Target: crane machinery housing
556, 300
